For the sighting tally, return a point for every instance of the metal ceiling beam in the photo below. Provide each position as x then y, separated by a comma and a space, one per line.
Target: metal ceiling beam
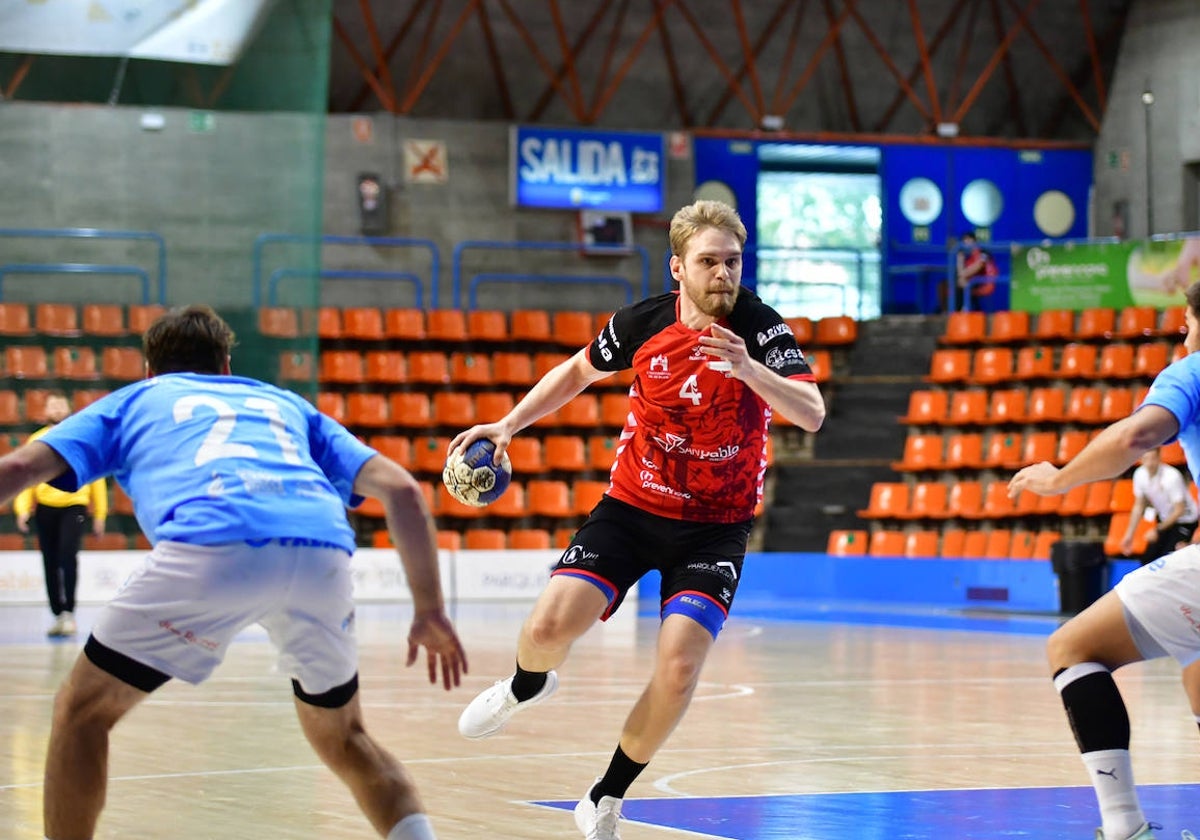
573, 98
756, 113
1089, 34
926, 64
393, 45
888, 62
547, 94
839, 53
1057, 69
497, 64
383, 72
418, 87
749, 60
1010, 80
359, 62
934, 45
986, 74
677, 86
763, 39
964, 52
601, 101
568, 55
810, 69
18, 76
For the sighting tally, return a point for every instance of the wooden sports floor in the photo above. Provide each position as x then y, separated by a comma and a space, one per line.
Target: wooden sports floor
812, 721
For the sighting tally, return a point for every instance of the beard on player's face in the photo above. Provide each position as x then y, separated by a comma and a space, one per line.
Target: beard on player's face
714, 295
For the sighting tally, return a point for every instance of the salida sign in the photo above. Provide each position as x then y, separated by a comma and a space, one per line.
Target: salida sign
580, 170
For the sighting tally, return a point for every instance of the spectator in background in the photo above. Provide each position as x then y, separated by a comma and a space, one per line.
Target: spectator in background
1163, 488
60, 518
975, 270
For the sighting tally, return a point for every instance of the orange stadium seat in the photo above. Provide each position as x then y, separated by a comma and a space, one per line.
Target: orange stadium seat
529, 539
614, 409
490, 406
448, 540
1083, 406
1096, 322
953, 542
562, 537
1071, 444
927, 501
364, 323
1151, 358
921, 452
921, 544
404, 324
429, 453
1172, 454
998, 545
1136, 322
490, 325
387, 366
470, 369
1122, 496
966, 499
1174, 322
842, 543
1003, 450
526, 454
367, 410
1099, 499
410, 410
511, 504
572, 329
549, 498
835, 330
329, 322
1115, 404
1008, 405
1045, 405
565, 452
26, 362
332, 404
586, 495
341, 366
1026, 504
530, 325
453, 409
996, 504
396, 447
1178, 353
964, 451
1008, 327
1078, 361
1042, 544
103, 319
1039, 446
887, 543
59, 319
1116, 362
602, 451
14, 319
975, 544
293, 367
820, 362
428, 368
142, 315
10, 412
968, 408
1070, 503
1055, 324
80, 363
949, 366
889, 499
926, 407
543, 363
509, 368
485, 539
991, 365
802, 329
581, 412
446, 325
1035, 362
964, 328
273, 321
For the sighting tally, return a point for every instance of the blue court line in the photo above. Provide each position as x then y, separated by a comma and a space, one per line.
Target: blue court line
895, 615
1048, 813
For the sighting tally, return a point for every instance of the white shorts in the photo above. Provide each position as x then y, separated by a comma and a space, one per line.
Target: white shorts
181, 609
1163, 601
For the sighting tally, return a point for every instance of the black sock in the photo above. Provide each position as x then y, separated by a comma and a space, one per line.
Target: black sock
525, 684
1094, 707
622, 770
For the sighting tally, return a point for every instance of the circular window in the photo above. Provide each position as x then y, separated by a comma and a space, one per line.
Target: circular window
1054, 213
982, 203
716, 191
920, 201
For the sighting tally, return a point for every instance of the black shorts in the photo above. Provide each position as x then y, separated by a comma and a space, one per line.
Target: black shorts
700, 562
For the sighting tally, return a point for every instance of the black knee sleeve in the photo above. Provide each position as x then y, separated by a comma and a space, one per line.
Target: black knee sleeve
1097, 713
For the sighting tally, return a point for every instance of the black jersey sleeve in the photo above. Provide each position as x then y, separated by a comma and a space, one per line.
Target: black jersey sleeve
628, 329
771, 341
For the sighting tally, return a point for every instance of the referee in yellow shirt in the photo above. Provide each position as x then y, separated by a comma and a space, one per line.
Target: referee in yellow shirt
60, 519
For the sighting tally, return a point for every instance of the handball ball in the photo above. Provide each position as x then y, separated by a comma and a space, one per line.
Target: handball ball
473, 479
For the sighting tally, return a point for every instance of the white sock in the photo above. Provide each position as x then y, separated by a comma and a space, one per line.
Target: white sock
1111, 772
412, 827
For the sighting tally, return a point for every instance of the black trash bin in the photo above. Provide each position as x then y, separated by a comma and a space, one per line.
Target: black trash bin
1082, 571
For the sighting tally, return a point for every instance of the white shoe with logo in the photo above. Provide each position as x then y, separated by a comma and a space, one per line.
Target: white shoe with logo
68, 624
491, 709
598, 821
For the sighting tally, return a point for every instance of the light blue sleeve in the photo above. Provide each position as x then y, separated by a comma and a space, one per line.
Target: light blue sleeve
89, 441
1177, 389
339, 454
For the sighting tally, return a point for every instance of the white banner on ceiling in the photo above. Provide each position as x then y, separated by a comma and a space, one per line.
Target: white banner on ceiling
191, 31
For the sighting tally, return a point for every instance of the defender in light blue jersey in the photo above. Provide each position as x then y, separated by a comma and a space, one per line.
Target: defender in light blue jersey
1152, 612
242, 489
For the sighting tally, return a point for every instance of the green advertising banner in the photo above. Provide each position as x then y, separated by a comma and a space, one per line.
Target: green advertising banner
1079, 276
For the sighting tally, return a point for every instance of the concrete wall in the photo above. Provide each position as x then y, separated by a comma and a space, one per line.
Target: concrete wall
1158, 52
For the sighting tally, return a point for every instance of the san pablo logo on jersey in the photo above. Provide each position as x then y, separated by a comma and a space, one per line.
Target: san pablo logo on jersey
669, 441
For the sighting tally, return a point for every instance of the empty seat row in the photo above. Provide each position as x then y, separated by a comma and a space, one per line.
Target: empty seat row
73, 362
528, 454
990, 365
459, 409
550, 498
997, 450
67, 319
492, 539
979, 500
979, 407
29, 406
431, 367
1132, 323
994, 544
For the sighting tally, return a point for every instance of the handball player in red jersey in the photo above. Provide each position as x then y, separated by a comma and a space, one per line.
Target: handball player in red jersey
711, 363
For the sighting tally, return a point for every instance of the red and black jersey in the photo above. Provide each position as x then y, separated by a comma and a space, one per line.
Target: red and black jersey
694, 442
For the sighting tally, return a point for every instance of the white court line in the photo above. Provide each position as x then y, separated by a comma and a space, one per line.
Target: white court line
671, 829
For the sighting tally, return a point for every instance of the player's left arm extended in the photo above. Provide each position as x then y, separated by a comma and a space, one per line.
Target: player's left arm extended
1111, 453
32, 464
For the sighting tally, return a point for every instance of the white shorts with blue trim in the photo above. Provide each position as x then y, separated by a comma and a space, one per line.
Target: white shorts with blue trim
179, 612
1163, 599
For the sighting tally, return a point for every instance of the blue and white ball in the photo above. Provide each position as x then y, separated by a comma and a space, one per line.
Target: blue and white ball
473, 479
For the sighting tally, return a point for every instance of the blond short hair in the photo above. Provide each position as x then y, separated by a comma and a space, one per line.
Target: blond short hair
699, 215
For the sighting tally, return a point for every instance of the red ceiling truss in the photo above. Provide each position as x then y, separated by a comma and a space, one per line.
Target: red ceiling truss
930, 62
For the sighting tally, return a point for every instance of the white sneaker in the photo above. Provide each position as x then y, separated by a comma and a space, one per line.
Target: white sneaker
68, 624
598, 822
56, 629
491, 709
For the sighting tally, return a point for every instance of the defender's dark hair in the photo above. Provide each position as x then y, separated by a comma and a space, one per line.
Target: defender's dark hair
189, 339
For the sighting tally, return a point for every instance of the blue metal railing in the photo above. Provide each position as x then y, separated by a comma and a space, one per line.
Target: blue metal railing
526, 277
265, 239
92, 268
